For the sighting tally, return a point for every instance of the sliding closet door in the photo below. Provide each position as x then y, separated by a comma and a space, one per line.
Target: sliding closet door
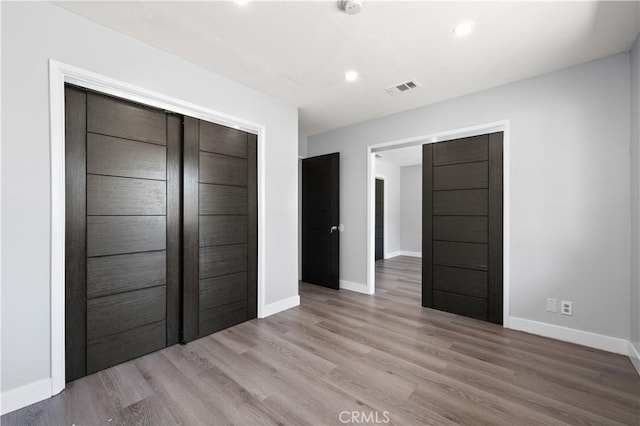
161, 229
462, 227
123, 231
220, 227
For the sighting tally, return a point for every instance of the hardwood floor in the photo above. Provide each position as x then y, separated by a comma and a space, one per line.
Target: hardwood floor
382, 357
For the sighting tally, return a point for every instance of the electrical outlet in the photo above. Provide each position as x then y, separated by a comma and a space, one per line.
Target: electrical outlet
552, 305
566, 307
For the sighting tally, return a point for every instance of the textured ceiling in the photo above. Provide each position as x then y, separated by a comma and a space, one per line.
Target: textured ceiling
299, 51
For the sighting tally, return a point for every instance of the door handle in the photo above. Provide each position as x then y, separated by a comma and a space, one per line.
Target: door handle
333, 228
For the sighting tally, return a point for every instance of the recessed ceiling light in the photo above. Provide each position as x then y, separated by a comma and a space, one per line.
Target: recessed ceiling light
463, 28
241, 2
351, 75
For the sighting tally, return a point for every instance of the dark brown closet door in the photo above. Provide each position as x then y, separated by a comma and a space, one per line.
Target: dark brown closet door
462, 227
379, 250
220, 227
123, 218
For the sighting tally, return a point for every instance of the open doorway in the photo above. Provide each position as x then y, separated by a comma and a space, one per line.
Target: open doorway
398, 221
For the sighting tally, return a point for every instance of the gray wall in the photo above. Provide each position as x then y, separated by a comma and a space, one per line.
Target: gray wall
31, 34
411, 208
392, 219
635, 194
570, 208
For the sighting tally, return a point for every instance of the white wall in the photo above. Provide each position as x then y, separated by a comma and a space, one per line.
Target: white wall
392, 212
411, 208
570, 208
31, 34
635, 196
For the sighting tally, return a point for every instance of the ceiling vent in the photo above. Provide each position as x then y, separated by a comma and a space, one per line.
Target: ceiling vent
402, 87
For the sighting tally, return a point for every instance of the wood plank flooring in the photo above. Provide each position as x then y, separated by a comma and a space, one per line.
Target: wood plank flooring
383, 356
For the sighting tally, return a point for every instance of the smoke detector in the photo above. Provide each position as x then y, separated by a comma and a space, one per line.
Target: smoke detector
351, 7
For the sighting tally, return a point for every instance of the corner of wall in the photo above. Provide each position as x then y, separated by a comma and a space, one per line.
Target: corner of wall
303, 145
634, 356
25, 395
356, 287
280, 305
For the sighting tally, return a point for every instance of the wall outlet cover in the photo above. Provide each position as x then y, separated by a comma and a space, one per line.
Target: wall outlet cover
552, 305
566, 307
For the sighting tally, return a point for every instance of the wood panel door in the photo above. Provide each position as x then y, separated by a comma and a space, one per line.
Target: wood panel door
379, 250
462, 227
321, 220
220, 227
122, 231
161, 229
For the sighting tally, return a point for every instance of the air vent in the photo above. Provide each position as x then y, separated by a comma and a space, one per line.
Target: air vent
402, 87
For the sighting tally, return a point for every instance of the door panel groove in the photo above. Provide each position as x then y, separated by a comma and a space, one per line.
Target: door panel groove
125, 291
126, 215
124, 331
460, 241
463, 294
126, 177
93, 132
482, 269
237, 304
125, 253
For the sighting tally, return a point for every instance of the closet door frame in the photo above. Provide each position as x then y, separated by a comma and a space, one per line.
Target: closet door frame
59, 74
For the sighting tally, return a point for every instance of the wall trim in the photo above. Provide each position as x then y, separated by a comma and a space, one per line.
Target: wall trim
280, 305
351, 286
480, 129
25, 395
585, 338
411, 253
59, 74
634, 356
392, 254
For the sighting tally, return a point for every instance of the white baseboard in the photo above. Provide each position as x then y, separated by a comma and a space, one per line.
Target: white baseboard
634, 356
281, 305
566, 334
357, 287
411, 253
23, 396
402, 253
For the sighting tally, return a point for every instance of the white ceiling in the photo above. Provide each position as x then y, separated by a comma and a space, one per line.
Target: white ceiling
299, 51
408, 156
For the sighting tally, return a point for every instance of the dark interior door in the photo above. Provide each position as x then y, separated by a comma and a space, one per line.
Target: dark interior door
161, 229
320, 220
379, 219
462, 227
220, 230
122, 289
